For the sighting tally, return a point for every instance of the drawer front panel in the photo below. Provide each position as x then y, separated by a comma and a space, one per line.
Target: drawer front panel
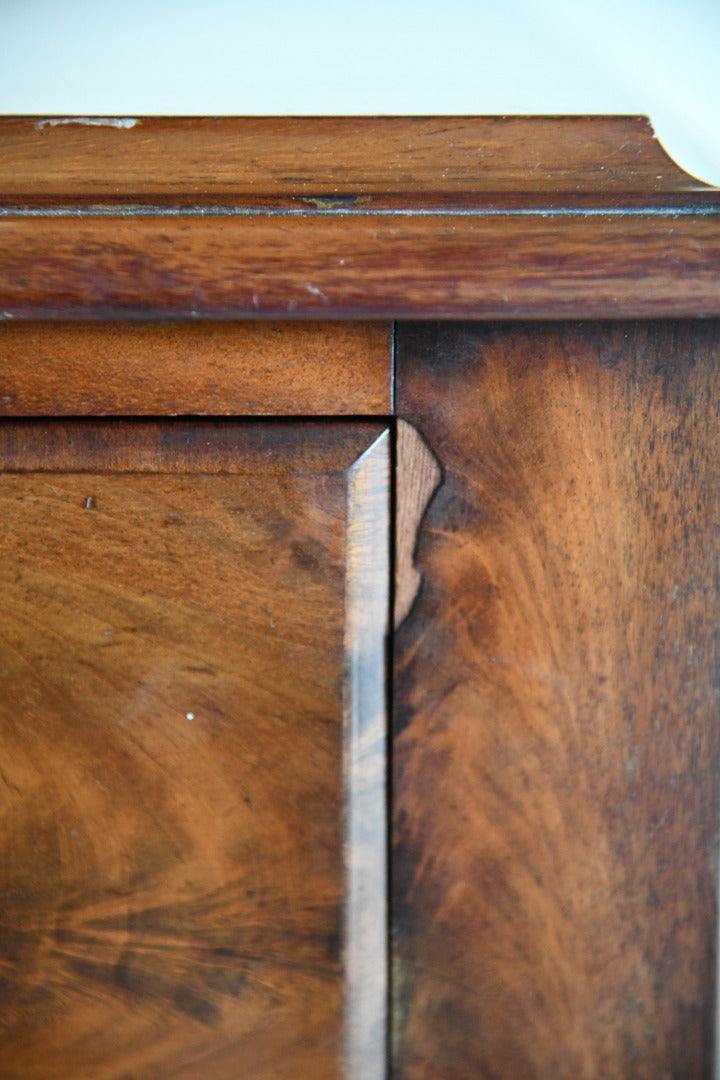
175, 722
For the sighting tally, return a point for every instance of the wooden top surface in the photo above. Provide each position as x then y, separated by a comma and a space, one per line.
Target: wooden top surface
225, 157
390, 217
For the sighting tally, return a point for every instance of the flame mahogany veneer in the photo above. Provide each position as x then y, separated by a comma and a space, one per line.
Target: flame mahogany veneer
217, 338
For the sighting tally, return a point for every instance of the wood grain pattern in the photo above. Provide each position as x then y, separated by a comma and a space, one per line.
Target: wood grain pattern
417, 475
126, 369
250, 156
173, 639
362, 266
362, 218
557, 689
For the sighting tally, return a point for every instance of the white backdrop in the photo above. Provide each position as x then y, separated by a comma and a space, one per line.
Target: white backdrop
134, 57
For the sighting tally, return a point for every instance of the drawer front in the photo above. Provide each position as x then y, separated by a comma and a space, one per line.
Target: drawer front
188, 739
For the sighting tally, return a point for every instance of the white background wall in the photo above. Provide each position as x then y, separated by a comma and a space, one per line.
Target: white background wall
130, 57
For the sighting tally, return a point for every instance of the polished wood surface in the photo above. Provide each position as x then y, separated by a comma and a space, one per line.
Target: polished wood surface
222, 157
194, 612
364, 218
175, 653
315, 265
557, 684
240, 368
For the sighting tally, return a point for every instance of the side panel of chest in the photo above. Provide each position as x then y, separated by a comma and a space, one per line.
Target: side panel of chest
557, 696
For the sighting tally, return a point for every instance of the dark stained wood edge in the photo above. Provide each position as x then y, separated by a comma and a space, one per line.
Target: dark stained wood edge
140, 157
185, 445
365, 764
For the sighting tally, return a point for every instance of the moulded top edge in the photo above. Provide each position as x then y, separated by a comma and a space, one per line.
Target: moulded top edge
225, 157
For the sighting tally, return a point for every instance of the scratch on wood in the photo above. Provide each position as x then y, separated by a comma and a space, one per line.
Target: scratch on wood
418, 477
314, 291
